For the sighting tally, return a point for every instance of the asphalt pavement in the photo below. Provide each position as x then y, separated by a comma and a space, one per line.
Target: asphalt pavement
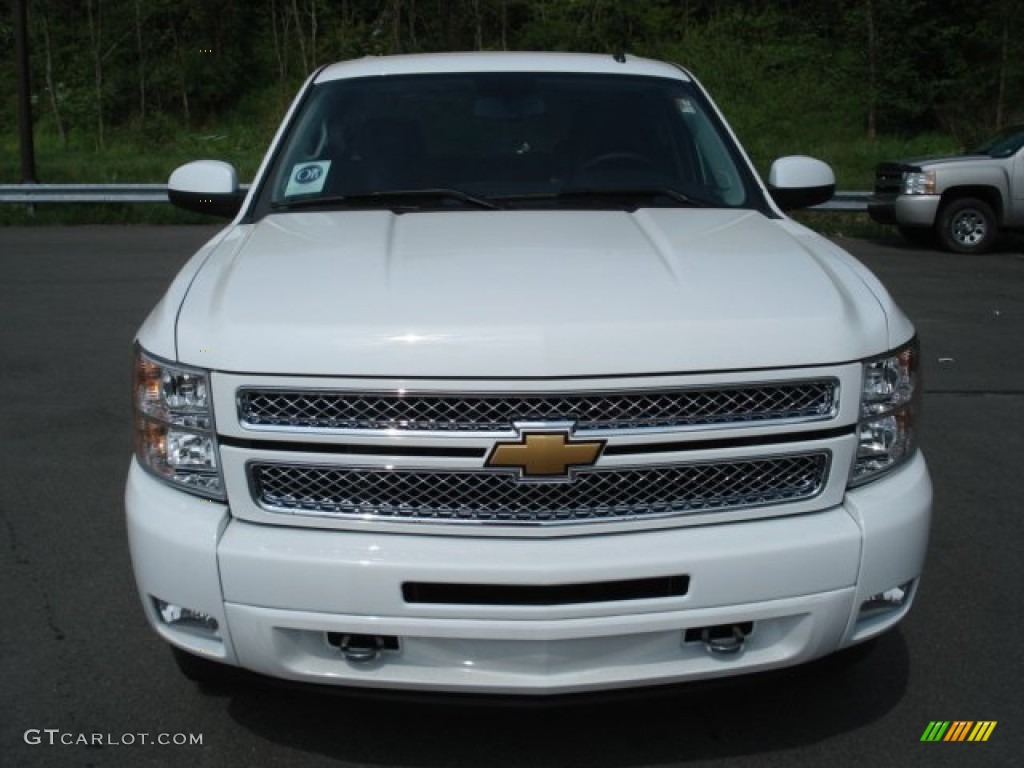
84, 682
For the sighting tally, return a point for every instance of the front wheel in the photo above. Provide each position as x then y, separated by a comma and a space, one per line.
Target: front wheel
967, 225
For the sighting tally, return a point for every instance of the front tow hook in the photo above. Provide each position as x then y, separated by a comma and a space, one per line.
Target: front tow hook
725, 640
361, 649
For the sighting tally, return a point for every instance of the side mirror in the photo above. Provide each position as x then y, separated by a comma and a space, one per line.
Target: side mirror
206, 186
800, 182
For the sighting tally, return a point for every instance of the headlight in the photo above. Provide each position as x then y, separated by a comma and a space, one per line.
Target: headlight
174, 428
919, 183
887, 430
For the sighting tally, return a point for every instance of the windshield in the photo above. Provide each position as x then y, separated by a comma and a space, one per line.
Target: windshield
1003, 144
486, 140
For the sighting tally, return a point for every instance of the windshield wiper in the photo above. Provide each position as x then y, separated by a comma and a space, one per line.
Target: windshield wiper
630, 194
389, 199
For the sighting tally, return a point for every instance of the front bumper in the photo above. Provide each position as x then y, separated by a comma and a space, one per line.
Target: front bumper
276, 592
904, 210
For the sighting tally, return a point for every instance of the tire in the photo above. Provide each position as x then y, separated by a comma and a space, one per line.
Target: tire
203, 672
967, 225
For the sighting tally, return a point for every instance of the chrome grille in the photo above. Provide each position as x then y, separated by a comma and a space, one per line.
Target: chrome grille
493, 497
813, 400
888, 178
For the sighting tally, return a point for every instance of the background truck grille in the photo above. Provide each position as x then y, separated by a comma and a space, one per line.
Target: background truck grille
889, 178
814, 400
493, 497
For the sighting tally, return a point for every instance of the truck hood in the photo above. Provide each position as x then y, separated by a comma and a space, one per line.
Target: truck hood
526, 294
933, 160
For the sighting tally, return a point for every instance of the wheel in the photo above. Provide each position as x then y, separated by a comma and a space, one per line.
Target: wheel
203, 672
967, 225
918, 235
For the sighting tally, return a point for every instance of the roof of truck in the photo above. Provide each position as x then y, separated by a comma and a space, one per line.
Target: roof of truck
430, 63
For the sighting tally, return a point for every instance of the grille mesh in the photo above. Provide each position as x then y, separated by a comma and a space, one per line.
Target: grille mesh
302, 410
888, 179
594, 495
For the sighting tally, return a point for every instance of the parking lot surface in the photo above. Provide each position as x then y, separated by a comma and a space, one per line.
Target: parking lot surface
83, 681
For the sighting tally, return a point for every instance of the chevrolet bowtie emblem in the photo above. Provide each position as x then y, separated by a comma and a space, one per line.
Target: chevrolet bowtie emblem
545, 455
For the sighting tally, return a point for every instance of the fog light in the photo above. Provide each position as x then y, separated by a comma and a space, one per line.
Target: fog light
180, 617
883, 602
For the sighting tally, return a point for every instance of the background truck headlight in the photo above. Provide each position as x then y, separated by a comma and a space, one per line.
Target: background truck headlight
918, 183
174, 427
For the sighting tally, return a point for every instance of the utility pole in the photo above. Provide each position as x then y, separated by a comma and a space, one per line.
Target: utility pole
28, 152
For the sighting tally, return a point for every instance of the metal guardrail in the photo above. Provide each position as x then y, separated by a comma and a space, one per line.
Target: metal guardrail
845, 201
157, 193
83, 193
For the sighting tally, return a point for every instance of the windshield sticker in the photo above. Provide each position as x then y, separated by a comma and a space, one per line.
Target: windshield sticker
307, 178
685, 107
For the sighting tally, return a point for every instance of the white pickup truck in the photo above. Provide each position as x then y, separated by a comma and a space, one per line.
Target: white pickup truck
963, 201
510, 375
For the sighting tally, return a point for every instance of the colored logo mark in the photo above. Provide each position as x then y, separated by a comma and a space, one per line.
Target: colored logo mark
958, 730
540, 454
308, 174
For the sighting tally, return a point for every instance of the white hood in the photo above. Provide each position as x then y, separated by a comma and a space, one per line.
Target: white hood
526, 293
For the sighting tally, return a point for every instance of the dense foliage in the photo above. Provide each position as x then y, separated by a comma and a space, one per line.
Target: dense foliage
788, 73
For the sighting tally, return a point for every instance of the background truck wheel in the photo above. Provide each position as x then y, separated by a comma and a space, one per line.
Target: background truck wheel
967, 225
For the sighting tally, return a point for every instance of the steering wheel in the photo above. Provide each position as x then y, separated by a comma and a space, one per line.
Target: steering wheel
621, 159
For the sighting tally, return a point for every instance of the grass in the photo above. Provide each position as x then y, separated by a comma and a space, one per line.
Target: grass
129, 156
72, 214
844, 224
854, 160
134, 155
